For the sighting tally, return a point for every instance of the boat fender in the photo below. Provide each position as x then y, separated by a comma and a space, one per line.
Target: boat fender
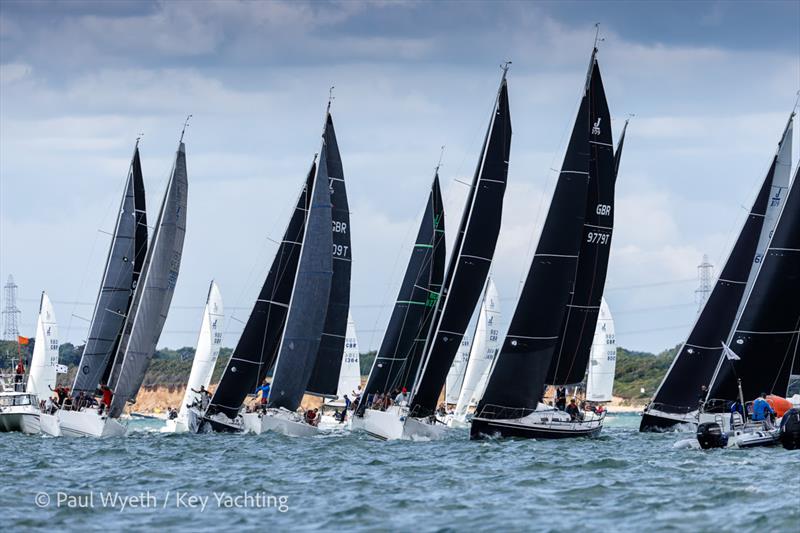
710, 435
790, 429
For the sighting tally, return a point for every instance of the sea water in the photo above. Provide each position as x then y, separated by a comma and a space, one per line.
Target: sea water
621, 481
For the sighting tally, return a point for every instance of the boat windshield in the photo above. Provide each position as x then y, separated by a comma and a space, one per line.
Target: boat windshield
16, 400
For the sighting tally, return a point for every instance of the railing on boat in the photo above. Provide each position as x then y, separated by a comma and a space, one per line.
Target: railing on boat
499, 412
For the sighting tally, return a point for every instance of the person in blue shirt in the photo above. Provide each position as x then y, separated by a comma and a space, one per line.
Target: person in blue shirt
264, 390
762, 410
736, 407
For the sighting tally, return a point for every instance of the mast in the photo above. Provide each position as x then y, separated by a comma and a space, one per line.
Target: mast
153, 294
325, 376
765, 336
577, 333
120, 278
257, 348
470, 263
308, 304
696, 361
398, 357
519, 370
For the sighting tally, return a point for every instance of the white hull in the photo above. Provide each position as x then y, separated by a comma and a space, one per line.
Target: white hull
280, 421
455, 422
21, 419
175, 426
88, 423
49, 425
395, 424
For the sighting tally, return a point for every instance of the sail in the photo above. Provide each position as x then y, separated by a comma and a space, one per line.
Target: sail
325, 377
120, 276
572, 356
42, 375
765, 337
257, 349
603, 362
396, 362
518, 375
208, 345
697, 359
153, 294
350, 373
309, 302
472, 257
455, 376
484, 348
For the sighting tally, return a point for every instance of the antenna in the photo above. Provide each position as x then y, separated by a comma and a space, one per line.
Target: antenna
331, 98
439, 164
505, 66
796, 103
11, 312
597, 38
185, 125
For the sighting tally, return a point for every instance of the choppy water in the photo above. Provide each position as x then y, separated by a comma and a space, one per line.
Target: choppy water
622, 481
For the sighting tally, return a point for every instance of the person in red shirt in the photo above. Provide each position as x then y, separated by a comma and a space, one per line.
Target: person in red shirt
107, 397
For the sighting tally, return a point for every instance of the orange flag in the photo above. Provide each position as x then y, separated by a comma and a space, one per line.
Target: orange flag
23, 340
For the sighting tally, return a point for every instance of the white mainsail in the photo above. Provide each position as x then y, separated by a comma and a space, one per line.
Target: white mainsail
603, 361
455, 377
483, 351
350, 374
208, 345
42, 377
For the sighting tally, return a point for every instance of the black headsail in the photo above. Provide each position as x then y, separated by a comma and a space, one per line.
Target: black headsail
516, 383
472, 257
765, 337
325, 377
577, 333
153, 294
395, 365
697, 359
309, 302
257, 349
123, 267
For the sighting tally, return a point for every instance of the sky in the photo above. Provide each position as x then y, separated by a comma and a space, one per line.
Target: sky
709, 86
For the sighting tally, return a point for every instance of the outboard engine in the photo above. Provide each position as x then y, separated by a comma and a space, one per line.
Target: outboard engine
790, 429
710, 435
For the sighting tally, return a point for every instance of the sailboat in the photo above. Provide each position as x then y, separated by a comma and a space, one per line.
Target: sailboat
463, 283
349, 377
484, 349
400, 353
146, 312
20, 410
603, 361
306, 318
677, 399
547, 339
764, 343
455, 376
205, 358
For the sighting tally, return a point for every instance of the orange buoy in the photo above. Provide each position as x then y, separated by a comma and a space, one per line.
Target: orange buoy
781, 405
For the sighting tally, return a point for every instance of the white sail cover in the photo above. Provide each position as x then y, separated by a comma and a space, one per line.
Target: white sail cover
350, 375
483, 351
603, 359
42, 376
455, 377
208, 344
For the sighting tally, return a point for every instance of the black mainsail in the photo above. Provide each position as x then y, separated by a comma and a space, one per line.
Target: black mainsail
520, 368
577, 333
309, 302
153, 294
694, 365
325, 377
121, 275
395, 365
257, 349
472, 257
766, 334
